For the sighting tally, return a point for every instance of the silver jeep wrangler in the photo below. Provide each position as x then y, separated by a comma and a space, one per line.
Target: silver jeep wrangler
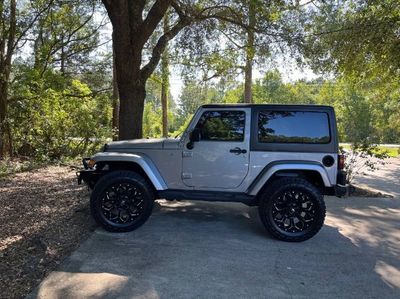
281, 158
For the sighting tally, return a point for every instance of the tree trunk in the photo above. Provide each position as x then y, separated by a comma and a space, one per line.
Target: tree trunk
3, 124
248, 79
115, 101
62, 62
165, 83
248, 70
5, 70
164, 107
131, 111
131, 87
130, 34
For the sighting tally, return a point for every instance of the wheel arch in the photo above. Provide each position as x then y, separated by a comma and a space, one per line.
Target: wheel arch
139, 163
310, 171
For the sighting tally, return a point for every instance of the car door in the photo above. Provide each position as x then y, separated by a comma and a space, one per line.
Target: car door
220, 159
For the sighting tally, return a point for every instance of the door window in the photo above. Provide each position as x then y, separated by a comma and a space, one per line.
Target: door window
222, 126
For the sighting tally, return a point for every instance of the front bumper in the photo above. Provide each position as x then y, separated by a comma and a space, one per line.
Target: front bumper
88, 175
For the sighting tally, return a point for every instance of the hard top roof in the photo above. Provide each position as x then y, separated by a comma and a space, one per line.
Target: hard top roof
269, 106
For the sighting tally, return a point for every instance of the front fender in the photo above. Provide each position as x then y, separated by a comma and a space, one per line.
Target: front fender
142, 160
270, 170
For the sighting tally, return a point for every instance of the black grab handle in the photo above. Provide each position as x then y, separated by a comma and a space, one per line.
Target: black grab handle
238, 151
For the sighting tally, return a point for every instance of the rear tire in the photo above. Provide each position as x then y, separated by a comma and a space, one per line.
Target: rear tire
122, 201
292, 209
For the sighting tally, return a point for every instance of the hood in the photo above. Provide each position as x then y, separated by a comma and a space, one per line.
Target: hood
152, 143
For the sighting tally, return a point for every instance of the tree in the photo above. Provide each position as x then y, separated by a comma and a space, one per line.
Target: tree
15, 22
133, 33
54, 98
8, 31
130, 34
264, 28
65, 37
354, 37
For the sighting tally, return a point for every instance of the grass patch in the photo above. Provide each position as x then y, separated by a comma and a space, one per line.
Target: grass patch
392, 152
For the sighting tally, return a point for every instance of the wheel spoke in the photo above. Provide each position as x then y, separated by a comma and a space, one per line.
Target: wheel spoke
294, 211
122, 203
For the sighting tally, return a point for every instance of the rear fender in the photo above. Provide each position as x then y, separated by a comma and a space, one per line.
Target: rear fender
270, 170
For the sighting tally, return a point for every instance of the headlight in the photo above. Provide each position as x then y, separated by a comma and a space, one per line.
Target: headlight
91, 163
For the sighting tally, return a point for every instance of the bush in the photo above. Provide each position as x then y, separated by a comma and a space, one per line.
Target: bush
54, 117
363, 157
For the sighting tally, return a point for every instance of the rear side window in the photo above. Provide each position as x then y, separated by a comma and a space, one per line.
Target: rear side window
293, 127
222, 125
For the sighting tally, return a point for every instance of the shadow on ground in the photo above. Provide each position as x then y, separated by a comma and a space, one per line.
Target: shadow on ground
208, 250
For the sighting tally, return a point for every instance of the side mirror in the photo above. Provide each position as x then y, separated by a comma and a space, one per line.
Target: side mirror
193, 137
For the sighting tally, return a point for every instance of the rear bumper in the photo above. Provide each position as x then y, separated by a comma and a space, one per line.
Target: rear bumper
341, 190
341, 178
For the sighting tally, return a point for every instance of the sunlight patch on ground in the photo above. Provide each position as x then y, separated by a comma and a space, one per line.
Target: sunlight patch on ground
361, 227
8, 241
81, 285
389, 274
174, 204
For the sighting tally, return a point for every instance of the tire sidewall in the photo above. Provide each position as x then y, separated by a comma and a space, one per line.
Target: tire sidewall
121, 177
277, 189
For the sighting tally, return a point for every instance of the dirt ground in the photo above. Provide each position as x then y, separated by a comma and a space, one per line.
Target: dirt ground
43, 217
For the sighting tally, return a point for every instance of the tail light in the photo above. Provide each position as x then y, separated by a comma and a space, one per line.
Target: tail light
341, 160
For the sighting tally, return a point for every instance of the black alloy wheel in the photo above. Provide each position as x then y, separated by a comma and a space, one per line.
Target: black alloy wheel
292, 209
122, 201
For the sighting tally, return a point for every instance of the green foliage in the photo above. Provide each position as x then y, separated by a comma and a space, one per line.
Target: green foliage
366, 111
354, 37
152, 123
66, 36
53, 117
59, 100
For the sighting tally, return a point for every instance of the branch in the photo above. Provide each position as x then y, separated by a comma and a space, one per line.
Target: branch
159, 48
91, 94
231, 40
11, 33
153, 18
47, 7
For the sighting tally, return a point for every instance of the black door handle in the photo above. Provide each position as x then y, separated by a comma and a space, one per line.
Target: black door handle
238, 151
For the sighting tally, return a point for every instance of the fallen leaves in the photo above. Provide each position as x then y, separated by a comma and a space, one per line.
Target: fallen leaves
44, 216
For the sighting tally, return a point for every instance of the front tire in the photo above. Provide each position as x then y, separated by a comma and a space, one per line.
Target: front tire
122, 201
292, 209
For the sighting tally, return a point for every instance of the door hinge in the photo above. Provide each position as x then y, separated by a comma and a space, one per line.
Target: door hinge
187, 154
186, 175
